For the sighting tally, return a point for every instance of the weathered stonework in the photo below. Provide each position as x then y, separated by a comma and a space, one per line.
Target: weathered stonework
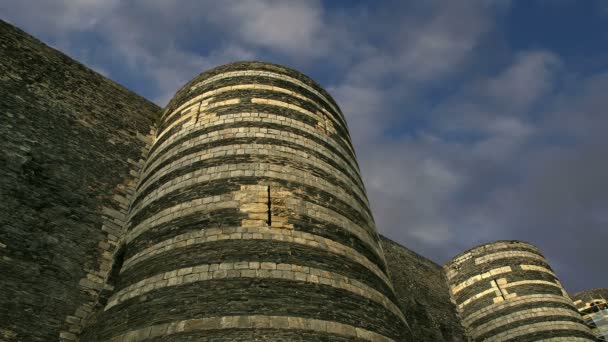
69, 141
506, 291
423, 295
251, 208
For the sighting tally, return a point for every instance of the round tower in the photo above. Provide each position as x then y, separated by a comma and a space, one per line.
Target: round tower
251, 221
506, 291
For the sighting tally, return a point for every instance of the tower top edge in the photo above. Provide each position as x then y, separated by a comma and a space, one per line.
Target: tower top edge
488, 245
248, 65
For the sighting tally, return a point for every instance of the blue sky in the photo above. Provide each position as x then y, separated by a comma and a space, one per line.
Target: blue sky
473, 120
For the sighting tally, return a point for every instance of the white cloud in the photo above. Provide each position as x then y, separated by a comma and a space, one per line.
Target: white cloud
294, 27
529, 78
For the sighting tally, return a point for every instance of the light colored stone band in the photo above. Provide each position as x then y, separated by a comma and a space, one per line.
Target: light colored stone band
537, 268
530, 282
255, 233
507, 254
566, 339
248, 269
509, 335
520, 316
476, 297
250, 322
270, 75
493, 272
526, 299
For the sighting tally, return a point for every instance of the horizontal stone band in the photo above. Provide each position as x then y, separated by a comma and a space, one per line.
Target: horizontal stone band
255, 233
345, 211
270, 75
537, 268
566, 339
521, 316
536, 298
508, 285
248, 322
507, 254
284, 154
254, 86
210, 128
451, 268
205, 110
509, 335
247, 269
480, 277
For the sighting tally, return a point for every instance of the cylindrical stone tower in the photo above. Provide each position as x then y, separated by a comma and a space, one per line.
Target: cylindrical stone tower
251, 222
593, 306
506, 291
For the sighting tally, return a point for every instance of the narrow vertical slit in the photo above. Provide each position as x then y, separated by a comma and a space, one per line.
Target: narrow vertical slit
198, 112
269, 209
499, 289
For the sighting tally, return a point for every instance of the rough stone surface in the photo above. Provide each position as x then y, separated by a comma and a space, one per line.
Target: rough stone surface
423, 295
66, 136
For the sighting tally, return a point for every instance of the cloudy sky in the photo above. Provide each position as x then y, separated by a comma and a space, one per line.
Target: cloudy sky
473, 120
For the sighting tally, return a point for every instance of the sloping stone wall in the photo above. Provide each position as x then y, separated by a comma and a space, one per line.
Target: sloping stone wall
423, 295
69, 139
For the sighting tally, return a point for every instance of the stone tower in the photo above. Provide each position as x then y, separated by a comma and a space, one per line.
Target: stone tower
506, 291
250, 221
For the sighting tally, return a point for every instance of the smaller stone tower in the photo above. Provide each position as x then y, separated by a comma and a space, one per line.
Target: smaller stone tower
506, 291
593, 306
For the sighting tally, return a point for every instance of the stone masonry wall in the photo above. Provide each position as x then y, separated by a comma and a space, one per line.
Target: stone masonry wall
251, 222
506, 291
423, 295
69, 141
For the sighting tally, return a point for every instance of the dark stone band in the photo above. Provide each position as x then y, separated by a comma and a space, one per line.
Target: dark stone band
227, 297
523, 322
252, 250
248, 335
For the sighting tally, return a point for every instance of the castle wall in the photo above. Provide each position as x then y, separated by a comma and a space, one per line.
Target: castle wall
69, 139
506, 291
423, 295
251, 222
